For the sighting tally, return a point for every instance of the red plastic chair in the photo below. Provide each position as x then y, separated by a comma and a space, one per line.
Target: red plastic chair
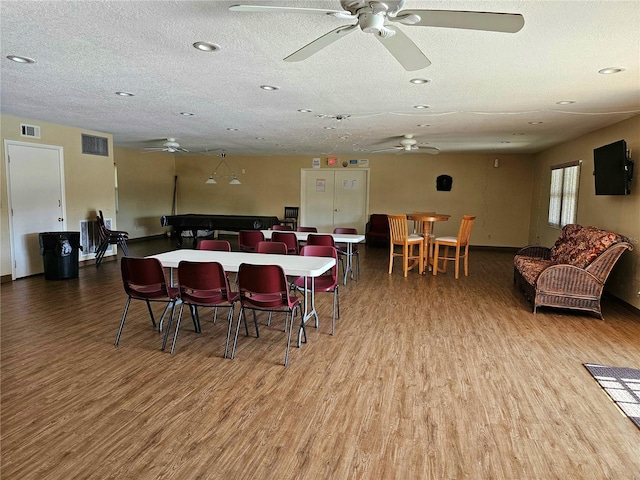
265, 288
144, 279
202, 284
307, 229
321, 239
289, 238
248, 240
286, 228
272, 247
342, 247
325, 240
214, 245
323, 283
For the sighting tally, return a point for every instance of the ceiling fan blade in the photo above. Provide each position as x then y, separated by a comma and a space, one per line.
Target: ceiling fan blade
319, 43
390, 149
429, 150
272, 9
404, 50
495, 22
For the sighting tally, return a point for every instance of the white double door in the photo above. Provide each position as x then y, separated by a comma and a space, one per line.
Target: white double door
334, 198
36, 201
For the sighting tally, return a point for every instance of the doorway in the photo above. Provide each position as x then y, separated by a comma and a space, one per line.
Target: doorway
334, 198
35, 185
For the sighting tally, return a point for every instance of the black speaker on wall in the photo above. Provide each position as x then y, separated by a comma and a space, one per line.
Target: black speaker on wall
443, 183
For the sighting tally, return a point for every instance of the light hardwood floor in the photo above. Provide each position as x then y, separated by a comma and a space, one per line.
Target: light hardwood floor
426, 378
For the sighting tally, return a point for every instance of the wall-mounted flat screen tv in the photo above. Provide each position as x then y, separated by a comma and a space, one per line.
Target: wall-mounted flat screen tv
613, 169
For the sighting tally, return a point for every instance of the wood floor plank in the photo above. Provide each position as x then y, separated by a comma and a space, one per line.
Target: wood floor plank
426, 378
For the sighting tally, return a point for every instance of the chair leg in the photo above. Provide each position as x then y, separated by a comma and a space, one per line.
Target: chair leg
435, 258
466, 261
123, 244
153, 320
168, 329
124, 317
405, 259
101, 250
230, 324
457, 261
390, 258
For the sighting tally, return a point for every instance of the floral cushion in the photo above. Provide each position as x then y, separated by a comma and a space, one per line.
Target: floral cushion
530, 267
565, 243
582, 246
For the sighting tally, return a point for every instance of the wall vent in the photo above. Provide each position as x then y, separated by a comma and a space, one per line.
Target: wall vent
31, 131
93, 145
90, 237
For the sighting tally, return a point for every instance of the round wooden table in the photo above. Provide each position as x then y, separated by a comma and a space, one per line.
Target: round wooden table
427, 219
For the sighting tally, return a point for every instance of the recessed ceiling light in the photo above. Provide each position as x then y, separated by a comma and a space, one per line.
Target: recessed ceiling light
519, 133
124, 94
419, 81
304, 110
269, 87
232, 129
421, 106
206, 46
505, 141
329, 128
19, 59
610, 70
187, 114
565, 102
535, 123
423, 125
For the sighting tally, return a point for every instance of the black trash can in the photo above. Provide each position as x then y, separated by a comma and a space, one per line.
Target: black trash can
59, 252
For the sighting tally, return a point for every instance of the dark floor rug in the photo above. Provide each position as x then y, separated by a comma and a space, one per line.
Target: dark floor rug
622, 385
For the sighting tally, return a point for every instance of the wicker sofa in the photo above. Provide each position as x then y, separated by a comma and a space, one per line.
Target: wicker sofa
573, 272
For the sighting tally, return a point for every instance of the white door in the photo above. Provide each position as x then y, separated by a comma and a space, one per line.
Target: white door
334, 198
36, 201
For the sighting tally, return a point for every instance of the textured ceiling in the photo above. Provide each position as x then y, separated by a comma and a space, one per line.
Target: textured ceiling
484, 89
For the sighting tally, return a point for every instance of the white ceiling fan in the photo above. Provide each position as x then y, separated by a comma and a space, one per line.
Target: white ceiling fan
409, 144
374, 17
170, 145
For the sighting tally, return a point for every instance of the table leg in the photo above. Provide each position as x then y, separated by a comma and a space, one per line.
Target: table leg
348, 267
309, 313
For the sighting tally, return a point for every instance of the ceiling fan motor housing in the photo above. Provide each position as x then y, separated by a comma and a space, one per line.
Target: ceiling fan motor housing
371, 22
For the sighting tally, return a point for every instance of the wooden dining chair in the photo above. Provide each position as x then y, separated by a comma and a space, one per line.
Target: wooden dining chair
400, 236
459, 243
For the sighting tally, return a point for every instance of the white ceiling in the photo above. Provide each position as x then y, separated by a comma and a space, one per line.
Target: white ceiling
484, 89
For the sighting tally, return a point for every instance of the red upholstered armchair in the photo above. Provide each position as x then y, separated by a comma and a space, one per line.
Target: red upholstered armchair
377, 231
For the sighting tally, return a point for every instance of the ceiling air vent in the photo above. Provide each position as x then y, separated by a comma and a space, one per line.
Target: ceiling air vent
31, 131
93, 145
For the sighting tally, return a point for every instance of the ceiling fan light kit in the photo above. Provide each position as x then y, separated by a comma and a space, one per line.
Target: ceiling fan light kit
373, 17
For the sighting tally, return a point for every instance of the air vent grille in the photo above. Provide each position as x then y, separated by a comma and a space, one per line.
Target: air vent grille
31, 131
93, 145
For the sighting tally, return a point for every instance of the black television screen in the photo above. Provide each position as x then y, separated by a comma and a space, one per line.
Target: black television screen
613, 169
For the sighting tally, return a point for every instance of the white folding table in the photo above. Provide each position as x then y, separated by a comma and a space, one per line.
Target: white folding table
348, 238
293, 265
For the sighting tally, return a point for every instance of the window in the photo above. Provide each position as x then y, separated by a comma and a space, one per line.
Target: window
563, 196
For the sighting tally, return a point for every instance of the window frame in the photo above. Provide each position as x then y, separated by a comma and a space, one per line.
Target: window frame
560, 192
